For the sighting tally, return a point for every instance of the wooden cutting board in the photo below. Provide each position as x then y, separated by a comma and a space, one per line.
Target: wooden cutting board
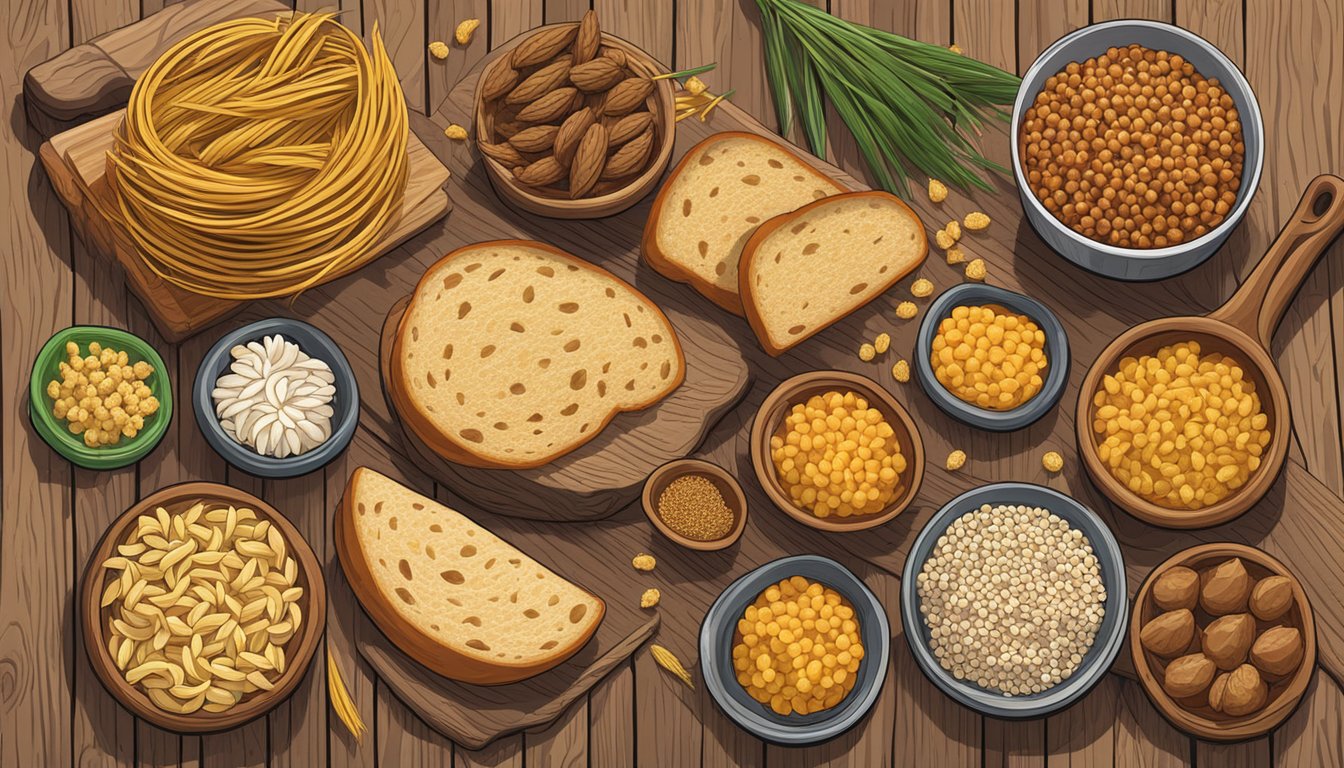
88, 80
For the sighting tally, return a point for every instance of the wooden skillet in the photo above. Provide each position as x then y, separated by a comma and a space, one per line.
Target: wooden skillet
1242, 328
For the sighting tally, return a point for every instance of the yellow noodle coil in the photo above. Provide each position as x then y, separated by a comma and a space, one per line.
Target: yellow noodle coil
260, 157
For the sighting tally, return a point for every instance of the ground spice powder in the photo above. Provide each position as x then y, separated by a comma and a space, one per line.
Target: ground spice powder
693, 507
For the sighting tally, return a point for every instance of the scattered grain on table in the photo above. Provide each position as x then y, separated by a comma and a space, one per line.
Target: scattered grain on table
922, 288
956, 460
976, 270
438, 49
882, 343
937, 191
906, 310
643, 562
650, 598
901, 371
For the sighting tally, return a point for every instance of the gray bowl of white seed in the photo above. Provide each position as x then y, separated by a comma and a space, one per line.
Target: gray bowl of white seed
1013, 599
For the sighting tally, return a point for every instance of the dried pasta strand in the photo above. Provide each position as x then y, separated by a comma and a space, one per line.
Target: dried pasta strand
258, 158
667, 660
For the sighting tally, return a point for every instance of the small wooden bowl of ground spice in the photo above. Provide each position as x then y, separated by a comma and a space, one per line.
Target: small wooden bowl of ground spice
696, 504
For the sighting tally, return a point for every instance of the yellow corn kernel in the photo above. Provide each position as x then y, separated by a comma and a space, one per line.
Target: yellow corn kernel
650, 598
954, 48
906, 310
643, 562
455, 132
976, 221
901, 371
937, 191
438, 49
882, 343
956, 460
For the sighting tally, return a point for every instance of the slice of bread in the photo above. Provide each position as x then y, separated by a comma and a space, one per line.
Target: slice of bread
720, 191
451, 594
804, 270
513, 353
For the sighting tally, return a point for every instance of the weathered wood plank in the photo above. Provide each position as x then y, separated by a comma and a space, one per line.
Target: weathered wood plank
729, 33
343, 750
1142, 737
402, 25
646, 23
510, 18
443, 18
1083, 736
506, 752
404, 739
611, 718
1014, 744
1042, 22
1105, 10
564, 744
1313, 736
667, 731
564, 10
1248, 754
36, 294
983, 29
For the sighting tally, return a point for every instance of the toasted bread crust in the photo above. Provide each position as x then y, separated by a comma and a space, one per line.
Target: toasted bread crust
444, 445
440, 658
659, 260
751, 251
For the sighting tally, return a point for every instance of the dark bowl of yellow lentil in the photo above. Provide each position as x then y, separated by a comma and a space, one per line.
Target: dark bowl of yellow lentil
1138, 147
696, 504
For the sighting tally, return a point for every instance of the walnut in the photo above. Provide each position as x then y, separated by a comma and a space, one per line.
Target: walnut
1278, 650
1272, 597
1228, 639
1170, 633
1189, 675
1177, 588
1225, 588
1244, 692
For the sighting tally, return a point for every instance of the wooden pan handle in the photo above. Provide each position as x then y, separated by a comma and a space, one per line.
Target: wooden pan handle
1259, 304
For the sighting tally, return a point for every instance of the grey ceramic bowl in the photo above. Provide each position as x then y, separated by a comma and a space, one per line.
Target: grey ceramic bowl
1128, 263
1056, 352
317, 345
716, 653
1109, 638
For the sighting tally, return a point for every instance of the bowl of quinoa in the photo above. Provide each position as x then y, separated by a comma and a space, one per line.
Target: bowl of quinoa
1014, 600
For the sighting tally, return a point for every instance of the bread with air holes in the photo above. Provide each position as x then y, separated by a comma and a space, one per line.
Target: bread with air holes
513, 353
451, 594
720, 191
804, 270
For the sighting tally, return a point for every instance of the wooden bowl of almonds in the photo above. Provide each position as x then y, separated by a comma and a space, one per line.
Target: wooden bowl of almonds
1223, 641
202, 607
570, 122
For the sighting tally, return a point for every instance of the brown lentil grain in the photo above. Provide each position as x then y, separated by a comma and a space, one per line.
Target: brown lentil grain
693, 507
1134, 148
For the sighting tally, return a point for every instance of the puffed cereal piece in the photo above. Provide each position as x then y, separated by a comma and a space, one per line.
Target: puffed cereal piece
1052, 461
438, 49
906, 310
956, 460
937, 191
901, 371
976, 270
954, 48
455, 132
955, 256
650, 598
882, 343
943, 239
976, 221
643, 562
867, 352
922, 288
953, 229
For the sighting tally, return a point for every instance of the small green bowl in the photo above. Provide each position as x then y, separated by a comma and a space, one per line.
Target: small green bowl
47, 367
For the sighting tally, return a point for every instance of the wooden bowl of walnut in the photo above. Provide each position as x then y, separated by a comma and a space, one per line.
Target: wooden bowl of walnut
1223, 640
570, 124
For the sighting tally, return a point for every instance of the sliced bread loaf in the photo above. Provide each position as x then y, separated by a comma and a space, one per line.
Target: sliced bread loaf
804, 270
720, 191
513, 353
451, 594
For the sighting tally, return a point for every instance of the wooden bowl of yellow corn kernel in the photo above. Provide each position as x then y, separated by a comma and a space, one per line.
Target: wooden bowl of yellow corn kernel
771, 431
1184, 421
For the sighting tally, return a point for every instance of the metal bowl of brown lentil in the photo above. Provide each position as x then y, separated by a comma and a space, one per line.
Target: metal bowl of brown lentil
1079, 168
1095, 660
696, 504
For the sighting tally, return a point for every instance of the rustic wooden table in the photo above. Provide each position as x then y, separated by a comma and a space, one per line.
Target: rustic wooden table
54, 712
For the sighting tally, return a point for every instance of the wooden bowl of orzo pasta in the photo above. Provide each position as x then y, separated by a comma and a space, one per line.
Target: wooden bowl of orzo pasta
202, 607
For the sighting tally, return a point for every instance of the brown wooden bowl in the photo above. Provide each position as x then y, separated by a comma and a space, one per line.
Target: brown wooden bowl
1284, 693
1242, 328
299, 652
728, 486
770, 417
608, 197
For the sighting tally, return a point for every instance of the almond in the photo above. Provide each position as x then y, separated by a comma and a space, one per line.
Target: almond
589, 160
626, 96
541, 173
539, 83
550, 107
629, 127
630, 158
504, 154
538, 138
543, 45
570, 133
616, 55
597, 75
588, 38
508, 128
499, 81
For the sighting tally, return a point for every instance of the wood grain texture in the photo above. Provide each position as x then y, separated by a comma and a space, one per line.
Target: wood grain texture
1257, 753
671, 732
1157, 10
611, 719
562, 744
402, 26
1084, 735
1312, 736
984, 30
404, 739
727, 32
1042, 22
443, 16
646, 23
564, 10
36, 295
1142, 737
510, 18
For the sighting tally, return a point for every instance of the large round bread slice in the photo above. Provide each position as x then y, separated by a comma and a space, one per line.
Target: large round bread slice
513, 353
720, 191
451, 594
804, 270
